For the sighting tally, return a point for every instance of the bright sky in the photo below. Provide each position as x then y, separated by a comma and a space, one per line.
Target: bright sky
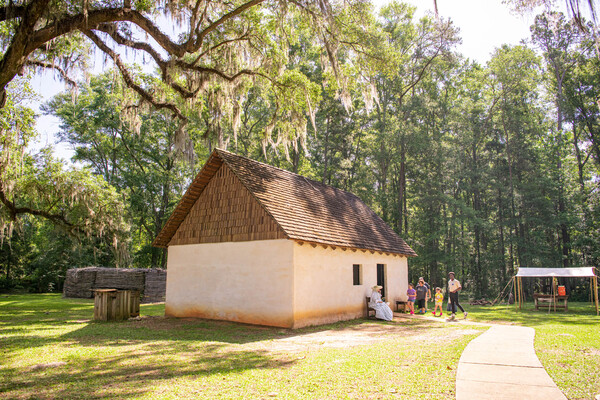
484, 25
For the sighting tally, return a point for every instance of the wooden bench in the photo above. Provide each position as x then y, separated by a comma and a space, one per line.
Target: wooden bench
401, 304
369, 309
547, 300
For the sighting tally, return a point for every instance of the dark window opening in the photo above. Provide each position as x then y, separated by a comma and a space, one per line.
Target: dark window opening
356, 274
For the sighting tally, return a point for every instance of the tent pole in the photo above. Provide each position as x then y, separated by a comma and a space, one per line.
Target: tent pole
515, 289
552, 293
521, 297
554, 288
522, 292
596, 292
518, 297
592, 290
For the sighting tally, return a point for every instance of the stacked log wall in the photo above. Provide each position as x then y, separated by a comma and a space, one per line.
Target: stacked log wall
120, 278
156, 285
80, 282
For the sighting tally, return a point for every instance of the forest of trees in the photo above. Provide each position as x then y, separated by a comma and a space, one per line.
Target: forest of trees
480, 168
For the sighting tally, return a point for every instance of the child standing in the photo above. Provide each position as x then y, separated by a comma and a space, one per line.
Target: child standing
439, 299
421, 296
412, 295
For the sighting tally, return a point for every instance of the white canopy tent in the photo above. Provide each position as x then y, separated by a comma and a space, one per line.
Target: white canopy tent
583, 272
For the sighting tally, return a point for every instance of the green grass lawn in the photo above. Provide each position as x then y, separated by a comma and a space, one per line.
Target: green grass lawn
567, 343
49, 348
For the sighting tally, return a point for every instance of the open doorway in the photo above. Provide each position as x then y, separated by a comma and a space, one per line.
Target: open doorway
381, 278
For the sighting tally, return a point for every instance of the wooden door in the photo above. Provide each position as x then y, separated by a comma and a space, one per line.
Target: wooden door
381, 278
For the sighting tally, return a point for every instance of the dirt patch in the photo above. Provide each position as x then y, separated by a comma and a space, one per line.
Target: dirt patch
355, 335
364, 334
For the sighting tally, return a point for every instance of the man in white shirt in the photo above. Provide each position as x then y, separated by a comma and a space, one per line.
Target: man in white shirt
454, 287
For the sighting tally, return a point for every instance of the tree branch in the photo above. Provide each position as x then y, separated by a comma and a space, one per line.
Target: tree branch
14, 211
94, 18
12, 12
223, 43
144, 94
221, 74
47, 65
110, 30
221, 21
16, 53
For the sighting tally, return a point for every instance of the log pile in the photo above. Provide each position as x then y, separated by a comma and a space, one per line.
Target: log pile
80, 282
120, 278
156, 285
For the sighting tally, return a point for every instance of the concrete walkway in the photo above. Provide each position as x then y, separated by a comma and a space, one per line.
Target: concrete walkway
501, 364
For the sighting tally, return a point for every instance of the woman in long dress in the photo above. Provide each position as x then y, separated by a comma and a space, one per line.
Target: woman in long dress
382, 310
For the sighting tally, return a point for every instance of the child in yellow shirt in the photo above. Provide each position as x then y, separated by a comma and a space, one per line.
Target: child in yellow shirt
439, 299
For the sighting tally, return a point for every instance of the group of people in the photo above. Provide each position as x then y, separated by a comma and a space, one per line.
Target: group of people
420, 294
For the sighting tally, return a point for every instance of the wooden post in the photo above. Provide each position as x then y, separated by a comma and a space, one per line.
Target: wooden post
135, 306
520, 297
596, 293
518, 293
518, 286
522, 292
515, 289
555, 289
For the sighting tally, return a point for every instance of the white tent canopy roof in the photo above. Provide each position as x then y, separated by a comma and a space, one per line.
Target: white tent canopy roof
583, 272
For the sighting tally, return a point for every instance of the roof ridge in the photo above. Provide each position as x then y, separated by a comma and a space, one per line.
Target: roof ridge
286, 171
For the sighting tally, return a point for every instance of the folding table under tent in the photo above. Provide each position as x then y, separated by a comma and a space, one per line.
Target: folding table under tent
583, 272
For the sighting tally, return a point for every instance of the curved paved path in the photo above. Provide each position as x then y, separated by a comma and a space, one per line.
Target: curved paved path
501, 364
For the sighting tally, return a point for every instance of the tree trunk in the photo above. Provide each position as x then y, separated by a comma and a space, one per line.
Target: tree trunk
564, 231
401, 189
326, 152
504, 271
20, 47
580, 162
295, 160
159, 254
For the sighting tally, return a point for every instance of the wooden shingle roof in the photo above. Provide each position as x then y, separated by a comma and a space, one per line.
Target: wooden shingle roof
306, 210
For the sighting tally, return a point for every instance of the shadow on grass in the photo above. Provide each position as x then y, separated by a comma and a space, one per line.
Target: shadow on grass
27, 313
114, 359
132, 372
131, 358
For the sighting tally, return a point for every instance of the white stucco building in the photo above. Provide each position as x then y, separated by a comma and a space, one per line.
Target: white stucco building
252, 243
